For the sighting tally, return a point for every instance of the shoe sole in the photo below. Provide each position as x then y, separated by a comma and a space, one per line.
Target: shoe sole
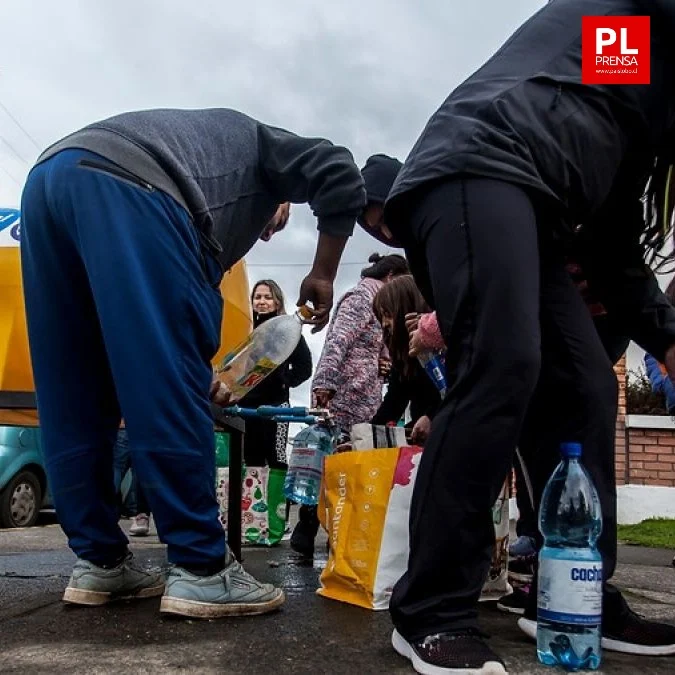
81, 596
522, 578
510, 610
207, 610
401, 647
529, 627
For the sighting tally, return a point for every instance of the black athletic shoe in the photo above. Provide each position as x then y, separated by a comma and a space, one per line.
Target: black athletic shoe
628, 634
631, 633
304, 534
461, 653
514, 603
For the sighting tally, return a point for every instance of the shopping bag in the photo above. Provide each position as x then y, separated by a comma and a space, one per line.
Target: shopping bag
367, 502
364, 507
497, 584
263, 504
222, 449
365, 436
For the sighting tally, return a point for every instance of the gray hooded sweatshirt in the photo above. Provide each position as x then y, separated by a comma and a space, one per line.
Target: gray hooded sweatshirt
229, 171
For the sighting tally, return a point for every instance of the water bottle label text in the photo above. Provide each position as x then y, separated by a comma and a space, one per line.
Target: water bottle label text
570, 591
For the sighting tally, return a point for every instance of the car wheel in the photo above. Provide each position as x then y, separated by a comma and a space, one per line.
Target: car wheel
20, 501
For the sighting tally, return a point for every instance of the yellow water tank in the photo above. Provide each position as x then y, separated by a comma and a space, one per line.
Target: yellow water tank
16, 376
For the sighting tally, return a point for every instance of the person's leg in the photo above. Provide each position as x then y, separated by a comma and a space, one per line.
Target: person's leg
159, 306
576, 400
260, 435
124, 477
277, 457
480, 242
79, 412
140, 523
527, 517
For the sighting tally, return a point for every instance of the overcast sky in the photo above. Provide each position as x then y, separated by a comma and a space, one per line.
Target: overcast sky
364, 74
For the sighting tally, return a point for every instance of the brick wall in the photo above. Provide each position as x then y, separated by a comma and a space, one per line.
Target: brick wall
643, 456
620, 370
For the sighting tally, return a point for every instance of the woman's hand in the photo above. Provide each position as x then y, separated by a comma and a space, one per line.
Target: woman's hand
420, 430
322, 397
384, 367
412, 321
415, 344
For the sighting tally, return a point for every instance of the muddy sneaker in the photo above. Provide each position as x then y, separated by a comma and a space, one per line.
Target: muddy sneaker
93, 585
140, 525
462, 653
231, 592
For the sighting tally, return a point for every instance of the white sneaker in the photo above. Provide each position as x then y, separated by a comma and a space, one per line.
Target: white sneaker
140, 525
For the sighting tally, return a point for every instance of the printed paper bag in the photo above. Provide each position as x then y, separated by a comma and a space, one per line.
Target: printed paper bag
497, 584
263, 505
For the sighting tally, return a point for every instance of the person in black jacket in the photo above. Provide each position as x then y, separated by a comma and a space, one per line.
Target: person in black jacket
266, 440
487, 206
408, 381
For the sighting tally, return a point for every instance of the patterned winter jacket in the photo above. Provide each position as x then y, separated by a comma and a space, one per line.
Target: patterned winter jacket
349, 361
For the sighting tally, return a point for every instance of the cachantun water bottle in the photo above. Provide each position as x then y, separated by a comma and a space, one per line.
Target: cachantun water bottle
305, 466
569, 602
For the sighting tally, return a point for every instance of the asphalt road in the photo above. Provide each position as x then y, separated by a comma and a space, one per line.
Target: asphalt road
310, 635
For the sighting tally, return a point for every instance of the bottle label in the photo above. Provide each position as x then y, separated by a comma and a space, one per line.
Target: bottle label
262, 368
307, 462
570, 591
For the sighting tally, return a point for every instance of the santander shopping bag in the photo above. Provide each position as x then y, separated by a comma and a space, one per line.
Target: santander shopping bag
365, 507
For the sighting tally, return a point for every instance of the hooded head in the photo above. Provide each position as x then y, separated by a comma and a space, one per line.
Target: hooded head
379, 174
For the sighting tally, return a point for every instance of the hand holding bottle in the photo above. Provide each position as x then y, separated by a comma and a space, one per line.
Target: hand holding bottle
318, 291
219, 393
317, 287
322, 397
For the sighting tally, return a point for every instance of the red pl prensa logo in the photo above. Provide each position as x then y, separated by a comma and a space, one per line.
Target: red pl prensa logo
615, 50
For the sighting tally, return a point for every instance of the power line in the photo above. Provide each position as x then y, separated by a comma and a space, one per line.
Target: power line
10, 175
18, 124
14, 150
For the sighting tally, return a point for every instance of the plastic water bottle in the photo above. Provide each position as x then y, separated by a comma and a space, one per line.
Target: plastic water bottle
432, 363
569, 604
305, 467
263, 351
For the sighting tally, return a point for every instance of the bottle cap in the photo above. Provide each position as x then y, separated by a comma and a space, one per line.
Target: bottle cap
305, 312
570, 450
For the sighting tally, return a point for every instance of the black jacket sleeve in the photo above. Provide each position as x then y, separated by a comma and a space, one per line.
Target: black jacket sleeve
299, 364
395, 400
612, 258
313, 170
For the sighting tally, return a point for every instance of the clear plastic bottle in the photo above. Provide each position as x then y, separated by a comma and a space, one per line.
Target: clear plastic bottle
432, 362
264, 350
569, 602
305, 467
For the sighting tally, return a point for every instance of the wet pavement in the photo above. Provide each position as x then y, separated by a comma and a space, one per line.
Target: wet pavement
310, 635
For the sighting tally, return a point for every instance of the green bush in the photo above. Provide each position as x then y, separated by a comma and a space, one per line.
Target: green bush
640, 399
